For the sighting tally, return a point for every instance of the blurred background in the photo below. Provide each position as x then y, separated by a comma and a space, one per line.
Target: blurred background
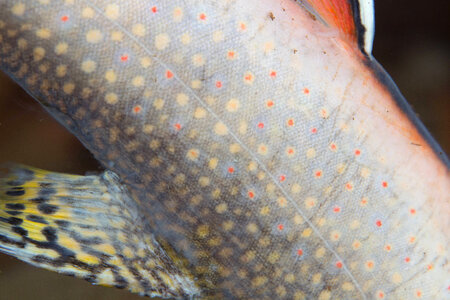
411, 42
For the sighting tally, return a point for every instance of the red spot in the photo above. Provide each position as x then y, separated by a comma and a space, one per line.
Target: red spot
407, 259
218, 84
305, 91
388, 247
378, 223
273, 74
137, 109
314, 130
363, 201
64, 18
242, 26
357, 152
248, 77
419, 293
290, 151
299, 252
384, 184
381, 295
282, 178
202, 16
251, 194
280, 227
412, 211
177, 126
290, 122
333, 147
318, 174
269, 103
169, 74
260, 125
154, 9
339, 264
231, 54
429, 267
336, 209
349, 186
124, 57
230, 170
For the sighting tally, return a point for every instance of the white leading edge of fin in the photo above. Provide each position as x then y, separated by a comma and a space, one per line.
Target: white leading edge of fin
367, 13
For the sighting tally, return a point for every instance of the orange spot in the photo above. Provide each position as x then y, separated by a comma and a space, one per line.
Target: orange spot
380, 295
231, 54
177, 126
261, 125
299, 252
218, 84
369, 264
314, 130
64, 18
306, 91
251, 194
273, 74
169, 74
412, 239
412, 211
349, 186
384, 184
154, 10
363, 201
318, 174
429, 267
242, 26
339, 264
407, 259
282, 178
290, 151
333, 147
137, 109
419, 293
378, 223
124, 57
230, 170
280, 227
269, 103
387, 248
202, 16
290, 122
336, 209
357, 152
248, 77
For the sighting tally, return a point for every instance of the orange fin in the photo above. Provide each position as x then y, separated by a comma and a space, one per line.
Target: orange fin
354, 19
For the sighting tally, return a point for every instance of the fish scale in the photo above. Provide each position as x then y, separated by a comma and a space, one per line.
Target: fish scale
247, 144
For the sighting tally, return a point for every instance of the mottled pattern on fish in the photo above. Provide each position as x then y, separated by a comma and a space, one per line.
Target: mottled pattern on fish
250, 149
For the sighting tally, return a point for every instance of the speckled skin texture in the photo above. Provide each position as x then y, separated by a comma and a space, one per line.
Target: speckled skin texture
262, 150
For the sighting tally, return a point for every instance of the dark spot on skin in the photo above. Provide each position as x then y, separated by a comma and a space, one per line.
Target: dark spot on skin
37, 219
39, 200
45, 184
271, 16
121, 283
19, 230
15, 221
16, 192
62, 223
15, 206
50, 234
13, 212
47, 192
6, 240
295, 51
91, 278
47, 209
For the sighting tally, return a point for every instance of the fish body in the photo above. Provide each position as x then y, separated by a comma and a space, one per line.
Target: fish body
251, 150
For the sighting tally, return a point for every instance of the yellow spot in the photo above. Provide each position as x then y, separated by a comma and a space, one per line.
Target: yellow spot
22, 43
396, 278
198, 60
204, 181
324, 295
106, 248
365, 172
212, 164
265, 211
203, 231
68, 88
220, 128
235, 148
111, 98
298, 220
162, 41
252, 228
116, 36
320, 252
259, 281
341, 168
68, 242
252, 166
218, 36
273, 257
94, 36
138, 81
289, 278
18, 9
233, 105
88, 66
61, 70
221, 208
185, 38
282, 202
317, 278
196, 84
295, 189
182, 99
347, 286
61, 48
38, 53
228, 225
87, 258
192, 154
310, 202
112, 11
43, 33
281, 291
158, 104
307, 232
299, 295
138, 30
146, 62
110, 76
87, 13
310, 153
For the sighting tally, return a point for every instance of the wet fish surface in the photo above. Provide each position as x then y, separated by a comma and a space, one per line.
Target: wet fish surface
253, 149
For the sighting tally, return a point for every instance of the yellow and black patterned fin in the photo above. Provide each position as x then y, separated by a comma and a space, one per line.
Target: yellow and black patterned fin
84, 226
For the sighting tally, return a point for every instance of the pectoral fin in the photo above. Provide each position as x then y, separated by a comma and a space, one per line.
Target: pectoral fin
85, 226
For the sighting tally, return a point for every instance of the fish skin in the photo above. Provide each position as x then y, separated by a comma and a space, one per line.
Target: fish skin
368, 117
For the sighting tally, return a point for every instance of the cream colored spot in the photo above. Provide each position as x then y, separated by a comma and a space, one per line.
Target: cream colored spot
310, 202
158, 103
341, 168
111, 98
94, 36
196, 84
252, 166
185, 38
198, 60
68, 88
177, 14
182, 99
61, 70
268, 47
110, 76
307, 232
112, 11
243, 127
233, 105
221, 208
204, 181
87, 13
213, 163
138, 81
61, 48
218, 36
203, 231
116, 36
21, 43
252, 228
356, 245
347, 286
295, 189
38, 53
316, 278
311, 153
335, 235
43, 33
18, 9
235, 148
220, 129
298, 220
355, 224
162, 41
262, 149
265, 210
88, 66
396, 278
146, 62
138, 30
324, 295
365, 172
193, 154
299, 295
199, 113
